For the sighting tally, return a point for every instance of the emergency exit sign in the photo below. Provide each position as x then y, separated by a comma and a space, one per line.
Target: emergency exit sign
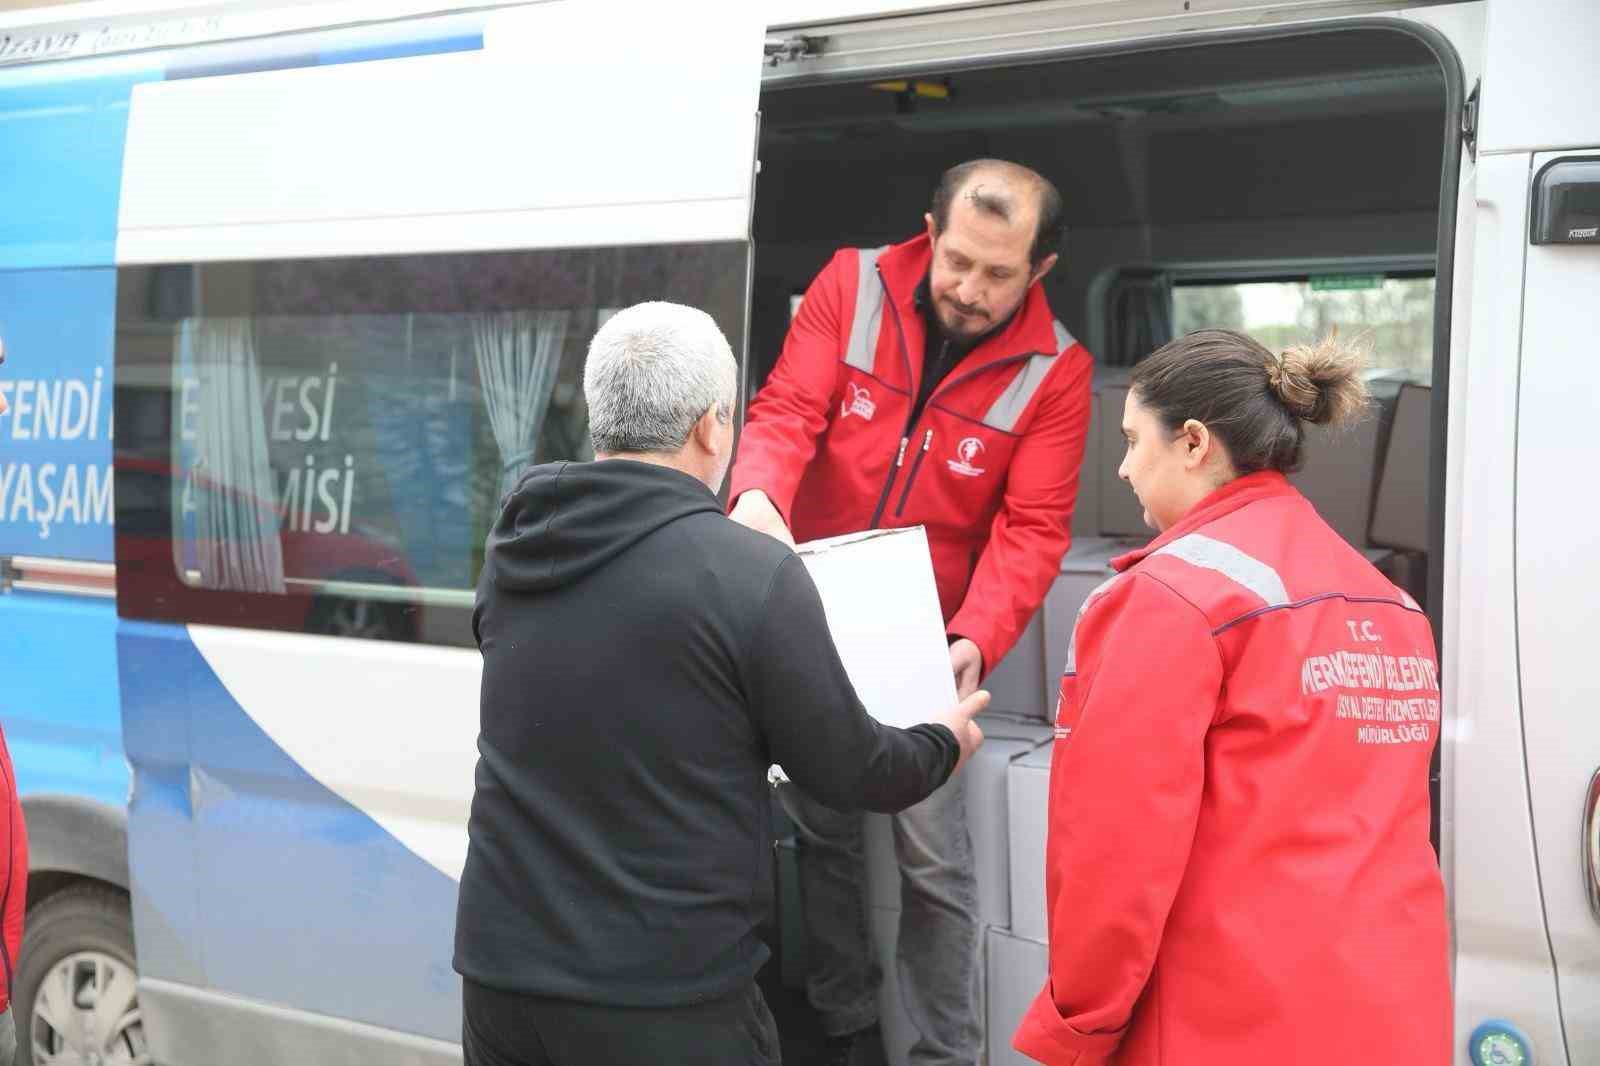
1344, 282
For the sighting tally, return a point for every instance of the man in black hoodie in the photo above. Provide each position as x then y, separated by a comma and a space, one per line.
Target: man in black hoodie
645, 659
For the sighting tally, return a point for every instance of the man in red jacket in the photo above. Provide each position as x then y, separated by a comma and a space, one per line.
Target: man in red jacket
926, 383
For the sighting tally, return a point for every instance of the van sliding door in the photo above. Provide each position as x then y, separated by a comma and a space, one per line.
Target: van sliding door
353, 307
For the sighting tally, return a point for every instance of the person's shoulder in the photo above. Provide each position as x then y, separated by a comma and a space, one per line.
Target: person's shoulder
1144, 589
845, 262
747, 574
1227, 569
737, 548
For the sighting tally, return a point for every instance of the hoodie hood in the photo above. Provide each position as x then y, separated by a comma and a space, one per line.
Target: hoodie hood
565, 519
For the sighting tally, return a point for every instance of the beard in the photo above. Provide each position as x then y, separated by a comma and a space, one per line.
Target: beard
962, 330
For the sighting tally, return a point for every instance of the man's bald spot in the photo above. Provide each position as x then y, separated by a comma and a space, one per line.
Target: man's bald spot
1009, 191
1005, 190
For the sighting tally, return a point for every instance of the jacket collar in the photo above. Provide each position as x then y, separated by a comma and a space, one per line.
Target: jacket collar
1264, 485
1030, 331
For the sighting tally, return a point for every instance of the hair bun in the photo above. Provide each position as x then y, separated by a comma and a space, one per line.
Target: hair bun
1320, 383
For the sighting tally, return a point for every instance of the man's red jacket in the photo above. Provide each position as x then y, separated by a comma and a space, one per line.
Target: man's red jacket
990, 467
1238, 867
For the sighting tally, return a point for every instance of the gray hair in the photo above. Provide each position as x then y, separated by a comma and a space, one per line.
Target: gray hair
654, 370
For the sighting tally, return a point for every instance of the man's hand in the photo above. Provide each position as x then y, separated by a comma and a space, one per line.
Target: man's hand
966, 662
959, 720
755, 509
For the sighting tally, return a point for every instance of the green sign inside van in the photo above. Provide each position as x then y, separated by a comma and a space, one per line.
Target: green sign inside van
1342, 282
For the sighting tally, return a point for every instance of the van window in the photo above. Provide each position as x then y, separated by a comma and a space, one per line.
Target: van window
1392, 314
333, 438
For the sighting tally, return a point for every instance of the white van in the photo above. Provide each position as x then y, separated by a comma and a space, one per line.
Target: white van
315, 280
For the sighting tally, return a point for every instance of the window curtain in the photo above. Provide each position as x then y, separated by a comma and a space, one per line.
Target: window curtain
1140, 318
518, 353
235, 492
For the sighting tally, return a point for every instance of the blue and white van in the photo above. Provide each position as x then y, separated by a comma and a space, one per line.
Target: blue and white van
290, 293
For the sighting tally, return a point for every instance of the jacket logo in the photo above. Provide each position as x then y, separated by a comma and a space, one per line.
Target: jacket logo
967, 453
857, 401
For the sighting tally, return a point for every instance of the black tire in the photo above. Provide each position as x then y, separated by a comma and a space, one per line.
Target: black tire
81, 940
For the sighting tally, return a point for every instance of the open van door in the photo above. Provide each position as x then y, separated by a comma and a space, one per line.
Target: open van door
1558, 573
1135, 200
378, 278
1545, 138
1522, 566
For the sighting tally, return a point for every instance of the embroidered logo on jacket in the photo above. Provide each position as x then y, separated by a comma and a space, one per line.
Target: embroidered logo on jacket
857, 401
967, 453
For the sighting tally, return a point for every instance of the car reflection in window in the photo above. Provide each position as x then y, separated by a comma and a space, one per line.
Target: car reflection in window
354, 584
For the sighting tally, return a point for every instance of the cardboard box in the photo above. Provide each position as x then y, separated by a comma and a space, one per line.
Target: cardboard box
1017, 684
1016, 971
987, 822
883, 610
986, 774
1086, 567
1120, 512
1028, 802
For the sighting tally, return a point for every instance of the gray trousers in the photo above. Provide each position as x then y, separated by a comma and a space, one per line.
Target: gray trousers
8, 1037
937, 954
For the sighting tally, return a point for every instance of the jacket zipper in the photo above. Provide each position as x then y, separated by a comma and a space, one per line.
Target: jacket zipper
905, 436
927, 441
894, 471
916, 464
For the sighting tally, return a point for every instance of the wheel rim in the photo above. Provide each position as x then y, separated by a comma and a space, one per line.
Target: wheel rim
86, 1013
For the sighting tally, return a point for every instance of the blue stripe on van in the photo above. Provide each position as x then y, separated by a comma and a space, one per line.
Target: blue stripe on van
58, 695
253, 878
466, 42
331, 48
249, 876
63, 127
55, 436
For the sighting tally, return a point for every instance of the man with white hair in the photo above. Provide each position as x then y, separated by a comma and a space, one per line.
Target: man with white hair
645, 659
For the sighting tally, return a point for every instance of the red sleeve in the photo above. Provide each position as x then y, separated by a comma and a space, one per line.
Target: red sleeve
1033, 529
780, 434
1125, 787
14, 860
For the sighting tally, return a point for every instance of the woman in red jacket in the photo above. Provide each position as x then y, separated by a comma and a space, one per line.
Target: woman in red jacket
1238, 869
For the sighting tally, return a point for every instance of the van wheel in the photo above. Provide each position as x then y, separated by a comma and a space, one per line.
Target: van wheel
76, 983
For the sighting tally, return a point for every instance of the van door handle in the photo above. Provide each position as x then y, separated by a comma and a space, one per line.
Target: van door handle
1591, 844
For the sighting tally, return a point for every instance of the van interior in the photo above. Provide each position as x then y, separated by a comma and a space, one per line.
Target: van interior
1282, 185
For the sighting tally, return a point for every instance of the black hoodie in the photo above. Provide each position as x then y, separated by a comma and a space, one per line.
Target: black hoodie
645, 659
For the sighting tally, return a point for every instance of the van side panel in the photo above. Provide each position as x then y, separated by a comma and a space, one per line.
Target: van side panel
1503, 964
1539, 80
1558, 612
253, 877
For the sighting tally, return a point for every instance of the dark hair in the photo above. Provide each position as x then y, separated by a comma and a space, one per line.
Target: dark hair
1047, 236
1255, 402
